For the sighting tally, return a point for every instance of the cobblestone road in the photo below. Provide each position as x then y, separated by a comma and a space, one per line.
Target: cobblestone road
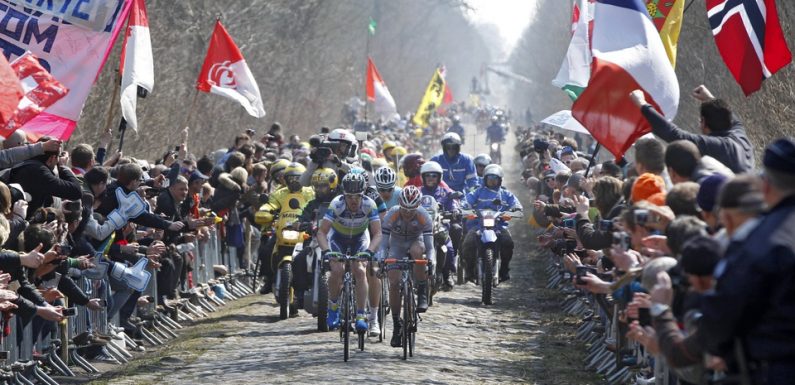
459, 340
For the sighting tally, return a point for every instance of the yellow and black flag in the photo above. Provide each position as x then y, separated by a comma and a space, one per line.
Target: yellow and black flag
434, 95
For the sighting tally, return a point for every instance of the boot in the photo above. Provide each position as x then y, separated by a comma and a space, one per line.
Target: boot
422, 296
397, 333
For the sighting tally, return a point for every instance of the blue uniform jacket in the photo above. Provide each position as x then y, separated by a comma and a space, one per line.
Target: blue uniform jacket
459, 172
483, 198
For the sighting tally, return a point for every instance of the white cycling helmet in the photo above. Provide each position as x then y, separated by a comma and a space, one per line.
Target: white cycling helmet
410, 197
385, 178
431, 167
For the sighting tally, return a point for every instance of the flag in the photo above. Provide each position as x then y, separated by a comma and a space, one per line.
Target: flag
576, 68
226, 73
72, 41
378, 93
627, 55
41, 90
136, 65
667, 18
448, 93
10, 91
750, 40
371, 26
434, 95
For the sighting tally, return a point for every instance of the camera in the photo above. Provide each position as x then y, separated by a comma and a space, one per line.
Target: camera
605, 225
571, 245
622, 240
70, 312
570, 223
641, 217
582, 271
65, 249
321, 153
540, 145
644, 316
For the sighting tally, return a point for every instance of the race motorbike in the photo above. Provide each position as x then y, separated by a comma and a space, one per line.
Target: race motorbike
488, 251
315, 297
288, 236
495, 152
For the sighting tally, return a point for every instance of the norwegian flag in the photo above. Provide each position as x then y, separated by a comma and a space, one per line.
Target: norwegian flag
41, 91
749, 38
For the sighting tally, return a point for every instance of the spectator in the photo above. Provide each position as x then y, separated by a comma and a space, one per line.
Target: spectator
723, 137
685, 163
682, 199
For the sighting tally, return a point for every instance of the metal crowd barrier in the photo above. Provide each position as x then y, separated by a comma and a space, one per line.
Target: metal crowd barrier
609, 354
156, 323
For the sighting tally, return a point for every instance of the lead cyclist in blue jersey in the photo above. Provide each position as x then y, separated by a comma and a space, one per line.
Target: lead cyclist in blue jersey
344, 230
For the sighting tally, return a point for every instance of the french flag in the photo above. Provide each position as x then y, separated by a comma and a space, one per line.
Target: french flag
628, 54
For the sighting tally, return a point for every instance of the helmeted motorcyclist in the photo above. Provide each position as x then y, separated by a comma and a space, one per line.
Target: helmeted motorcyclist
490, 196
288, 203
459, 170
481, 161
457, 128
431, 173
496, 131
340, 159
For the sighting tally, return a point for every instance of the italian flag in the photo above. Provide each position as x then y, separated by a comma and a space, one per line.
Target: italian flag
575, 71
136, 62
378, 93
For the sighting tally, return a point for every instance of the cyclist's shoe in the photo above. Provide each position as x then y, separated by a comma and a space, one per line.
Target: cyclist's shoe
361, 323
266, 287
397, 333
422, 297
375, 328
333, 317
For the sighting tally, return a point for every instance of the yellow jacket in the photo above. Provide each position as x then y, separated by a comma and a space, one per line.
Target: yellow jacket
279, 203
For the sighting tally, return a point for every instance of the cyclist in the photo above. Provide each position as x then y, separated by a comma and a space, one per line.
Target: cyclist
385, 179
459, 170
288, 203
370, 191
457, 128
490, 196
431, 174
481, 161
411, 164
408, 230
350, 216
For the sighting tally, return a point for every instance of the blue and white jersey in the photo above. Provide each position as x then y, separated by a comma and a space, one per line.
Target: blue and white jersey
351, 224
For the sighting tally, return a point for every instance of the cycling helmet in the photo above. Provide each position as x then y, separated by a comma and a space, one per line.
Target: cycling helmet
325, 176
279, 166
451, 138
385, 178
410, 197
354, 183
482, 160
411, 164
360, 171
456, 119
431, 167
493, 170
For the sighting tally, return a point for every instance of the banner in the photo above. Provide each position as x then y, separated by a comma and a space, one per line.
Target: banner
41, 91
434, 95
667, 18
73, 53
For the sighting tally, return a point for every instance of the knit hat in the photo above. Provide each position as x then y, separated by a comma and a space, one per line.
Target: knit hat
708, 193
647, 185
657, 199
780, 156
700, 255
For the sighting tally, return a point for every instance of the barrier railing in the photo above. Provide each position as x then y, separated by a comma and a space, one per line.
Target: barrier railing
216, 277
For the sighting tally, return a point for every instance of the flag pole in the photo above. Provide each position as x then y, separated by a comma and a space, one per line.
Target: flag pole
593, 158
113, 100
192, 108
367, 56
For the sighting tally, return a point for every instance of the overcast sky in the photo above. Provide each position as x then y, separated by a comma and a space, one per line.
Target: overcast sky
510, 16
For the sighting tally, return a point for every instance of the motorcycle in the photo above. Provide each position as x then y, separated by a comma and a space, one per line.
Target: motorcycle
488, 251
495, 152
287, 238
315, 297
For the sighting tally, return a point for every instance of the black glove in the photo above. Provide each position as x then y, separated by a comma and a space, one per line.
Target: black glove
324, 254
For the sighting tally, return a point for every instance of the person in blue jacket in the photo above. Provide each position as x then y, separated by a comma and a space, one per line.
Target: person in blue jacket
457, 128
459, 169
490, 196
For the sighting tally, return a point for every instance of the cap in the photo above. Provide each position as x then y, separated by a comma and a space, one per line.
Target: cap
708, 192
548, 174
196, 174
780, 156
17, 193
647, 185
567, 151
700, 255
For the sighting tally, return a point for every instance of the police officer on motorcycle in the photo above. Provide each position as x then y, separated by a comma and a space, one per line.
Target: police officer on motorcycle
459, 169
481, 161
457, 128
491, 196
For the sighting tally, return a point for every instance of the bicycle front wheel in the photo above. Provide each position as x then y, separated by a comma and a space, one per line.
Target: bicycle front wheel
346, 319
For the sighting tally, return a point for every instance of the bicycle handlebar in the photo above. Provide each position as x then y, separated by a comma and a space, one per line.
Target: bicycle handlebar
391, 261
341, 257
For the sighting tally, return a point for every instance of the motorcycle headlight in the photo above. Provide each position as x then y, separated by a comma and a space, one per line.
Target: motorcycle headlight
290, 235
488, 222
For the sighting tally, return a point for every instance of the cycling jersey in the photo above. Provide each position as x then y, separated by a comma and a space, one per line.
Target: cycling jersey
348, 224
392, 202
400, 234
459, 172
373, 194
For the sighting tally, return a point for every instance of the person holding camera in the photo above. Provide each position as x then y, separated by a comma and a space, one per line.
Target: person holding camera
337, 152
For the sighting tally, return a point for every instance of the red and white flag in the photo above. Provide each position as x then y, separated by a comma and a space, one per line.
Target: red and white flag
628, 54
136, 65
41, 90
749, 37
226, 73
378, 93
10, 91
